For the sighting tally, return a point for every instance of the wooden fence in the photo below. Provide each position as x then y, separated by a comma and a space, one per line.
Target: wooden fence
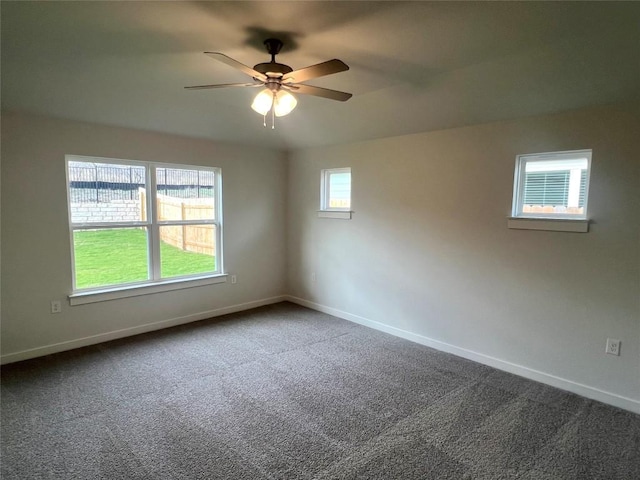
552, 209
191, 238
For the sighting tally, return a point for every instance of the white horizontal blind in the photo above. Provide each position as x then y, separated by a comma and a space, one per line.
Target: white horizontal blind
551, 188
583, 188
546, 188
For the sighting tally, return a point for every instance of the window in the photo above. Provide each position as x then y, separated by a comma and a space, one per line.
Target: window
137, 224
335, 193
552, 186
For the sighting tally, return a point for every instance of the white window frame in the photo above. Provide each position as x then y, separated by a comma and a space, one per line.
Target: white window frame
326, 211
155, 283
554, 221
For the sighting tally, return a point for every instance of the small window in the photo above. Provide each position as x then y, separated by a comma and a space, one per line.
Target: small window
552, 185
140, 224
336, 189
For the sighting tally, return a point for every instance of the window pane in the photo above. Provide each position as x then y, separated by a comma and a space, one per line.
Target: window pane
340, 190
185, 194
108, 257
103, 192
555, 186
187, 250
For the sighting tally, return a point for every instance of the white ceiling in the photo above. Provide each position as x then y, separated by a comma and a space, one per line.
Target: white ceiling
415, 66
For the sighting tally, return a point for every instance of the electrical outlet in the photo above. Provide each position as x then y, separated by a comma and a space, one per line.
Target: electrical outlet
613, 346
234, 279
56, 306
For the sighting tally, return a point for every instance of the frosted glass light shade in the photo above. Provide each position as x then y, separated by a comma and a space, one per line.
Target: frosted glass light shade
282, 102
263, 101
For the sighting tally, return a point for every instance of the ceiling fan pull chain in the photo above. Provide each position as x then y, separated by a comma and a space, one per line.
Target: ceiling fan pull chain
264, 120
273, 118
273, 112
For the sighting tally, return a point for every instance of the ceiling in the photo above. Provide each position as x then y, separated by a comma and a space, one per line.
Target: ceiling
415, 66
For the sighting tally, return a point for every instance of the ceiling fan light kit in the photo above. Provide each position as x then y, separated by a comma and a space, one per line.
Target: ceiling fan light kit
278, 80
281, 102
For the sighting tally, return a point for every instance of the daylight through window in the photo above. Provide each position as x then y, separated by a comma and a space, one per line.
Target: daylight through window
552, 185
142, 223
336, 189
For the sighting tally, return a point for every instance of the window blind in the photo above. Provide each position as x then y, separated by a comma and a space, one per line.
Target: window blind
551, 188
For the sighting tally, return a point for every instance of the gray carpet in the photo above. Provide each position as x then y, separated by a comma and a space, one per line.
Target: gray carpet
283, 392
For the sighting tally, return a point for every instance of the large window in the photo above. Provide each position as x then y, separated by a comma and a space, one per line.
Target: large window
552, 185
137, 223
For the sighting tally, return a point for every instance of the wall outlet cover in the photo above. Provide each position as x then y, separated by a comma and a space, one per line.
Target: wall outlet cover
56, 306
613, 346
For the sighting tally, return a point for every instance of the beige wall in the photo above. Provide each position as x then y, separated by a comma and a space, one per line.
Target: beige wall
428, 253
36, 265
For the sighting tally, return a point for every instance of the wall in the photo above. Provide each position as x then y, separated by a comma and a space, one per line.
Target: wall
36, 263
111, 211
428, 254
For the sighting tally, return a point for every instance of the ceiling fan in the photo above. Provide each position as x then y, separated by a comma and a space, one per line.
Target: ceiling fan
280, 79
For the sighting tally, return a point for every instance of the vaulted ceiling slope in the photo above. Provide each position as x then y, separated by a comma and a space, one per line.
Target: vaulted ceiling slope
415, 66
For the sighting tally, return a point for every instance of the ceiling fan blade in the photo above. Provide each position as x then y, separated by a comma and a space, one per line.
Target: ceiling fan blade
237, 65
223, 85
319, 92
314, 71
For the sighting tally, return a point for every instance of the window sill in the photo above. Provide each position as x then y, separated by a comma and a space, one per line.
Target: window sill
548, 224
341, 214
82, 298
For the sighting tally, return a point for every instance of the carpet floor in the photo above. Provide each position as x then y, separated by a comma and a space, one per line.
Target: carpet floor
283, 392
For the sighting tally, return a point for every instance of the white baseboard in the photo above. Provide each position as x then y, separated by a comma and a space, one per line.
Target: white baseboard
542, 377
127, 332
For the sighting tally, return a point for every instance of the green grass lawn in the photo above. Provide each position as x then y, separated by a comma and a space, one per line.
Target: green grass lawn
115, 256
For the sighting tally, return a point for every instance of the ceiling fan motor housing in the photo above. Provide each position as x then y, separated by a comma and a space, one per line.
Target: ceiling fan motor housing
273, 69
